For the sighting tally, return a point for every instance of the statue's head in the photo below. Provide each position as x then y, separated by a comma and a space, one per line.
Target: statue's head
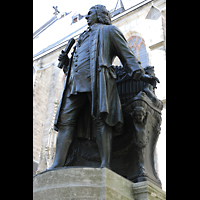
98, 14
139, 114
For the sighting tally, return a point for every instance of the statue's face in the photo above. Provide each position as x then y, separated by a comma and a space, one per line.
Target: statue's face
91, 17
139, 116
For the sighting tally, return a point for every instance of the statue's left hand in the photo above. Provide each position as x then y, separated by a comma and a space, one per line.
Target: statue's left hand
150, 79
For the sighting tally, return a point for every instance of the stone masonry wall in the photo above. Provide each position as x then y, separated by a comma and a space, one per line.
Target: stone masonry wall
40, 99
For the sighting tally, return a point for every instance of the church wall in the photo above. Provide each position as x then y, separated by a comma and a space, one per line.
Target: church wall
48, 85
40, 99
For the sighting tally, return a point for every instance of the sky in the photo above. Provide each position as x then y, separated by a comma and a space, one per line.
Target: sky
43, 9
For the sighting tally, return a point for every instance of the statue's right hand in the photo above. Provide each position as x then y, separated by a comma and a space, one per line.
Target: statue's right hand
62, 56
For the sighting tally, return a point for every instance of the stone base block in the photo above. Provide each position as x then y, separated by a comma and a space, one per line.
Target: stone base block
148, 191
91, 184
82, 184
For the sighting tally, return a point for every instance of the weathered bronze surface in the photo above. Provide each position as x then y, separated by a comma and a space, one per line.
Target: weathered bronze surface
108, 116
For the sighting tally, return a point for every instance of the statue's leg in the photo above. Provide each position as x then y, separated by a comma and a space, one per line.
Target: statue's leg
68, 117
104, 142
63, 142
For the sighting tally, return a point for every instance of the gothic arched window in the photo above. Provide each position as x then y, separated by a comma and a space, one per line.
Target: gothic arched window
138, 47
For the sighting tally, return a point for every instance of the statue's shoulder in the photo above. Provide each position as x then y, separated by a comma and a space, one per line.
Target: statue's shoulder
112, 29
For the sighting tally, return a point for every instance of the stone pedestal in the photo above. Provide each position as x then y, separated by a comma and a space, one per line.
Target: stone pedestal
82, 184
91, 184
148, 191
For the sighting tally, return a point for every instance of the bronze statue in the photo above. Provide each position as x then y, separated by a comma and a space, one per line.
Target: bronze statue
91, 78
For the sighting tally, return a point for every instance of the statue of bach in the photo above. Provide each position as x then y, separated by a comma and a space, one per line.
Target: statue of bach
91, 78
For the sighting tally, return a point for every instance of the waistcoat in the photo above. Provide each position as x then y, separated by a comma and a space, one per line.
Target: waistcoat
79, 80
